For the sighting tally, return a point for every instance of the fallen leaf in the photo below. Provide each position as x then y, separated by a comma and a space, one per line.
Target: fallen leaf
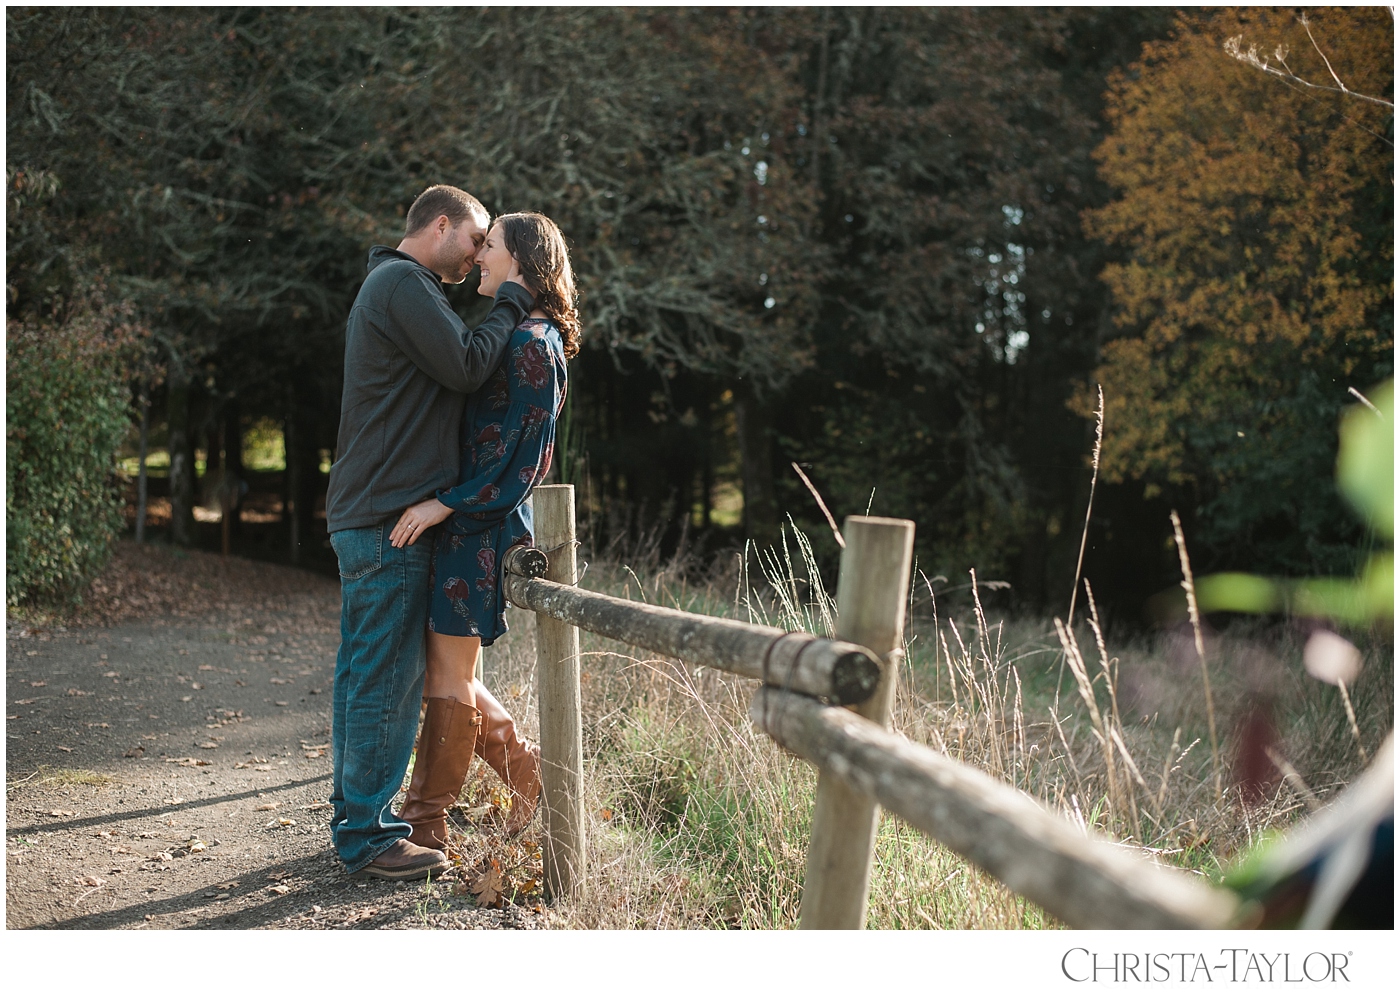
286, 821
91, 881
280, 702
105, 726
266, 806
62, 813
136, 752
227, 886
279, 874
174, 800
25, 702
280, 889
37, 685
76, 692
487, 884
262, 768
110, 675
62, 747
281, 681
186, 699
206, 668
196, 686
206, 744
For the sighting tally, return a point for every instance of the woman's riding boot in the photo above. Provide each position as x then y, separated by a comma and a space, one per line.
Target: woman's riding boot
445, 748
515, 760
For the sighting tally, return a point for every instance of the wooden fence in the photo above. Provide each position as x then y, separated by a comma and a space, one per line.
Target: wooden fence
828, 701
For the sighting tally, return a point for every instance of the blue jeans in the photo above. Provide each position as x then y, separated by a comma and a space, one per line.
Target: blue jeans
378, 685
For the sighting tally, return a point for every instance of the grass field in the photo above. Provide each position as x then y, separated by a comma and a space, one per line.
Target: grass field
696, 820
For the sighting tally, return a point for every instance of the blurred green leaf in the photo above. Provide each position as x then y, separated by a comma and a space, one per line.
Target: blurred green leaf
1235, 592
1366, 460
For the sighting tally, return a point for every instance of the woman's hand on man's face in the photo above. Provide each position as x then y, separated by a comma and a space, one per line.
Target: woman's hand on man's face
514, 276
415, 521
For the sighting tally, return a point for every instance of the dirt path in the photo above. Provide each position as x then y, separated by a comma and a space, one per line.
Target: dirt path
167, 763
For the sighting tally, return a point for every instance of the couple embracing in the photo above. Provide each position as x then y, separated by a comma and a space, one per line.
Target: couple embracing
444, 431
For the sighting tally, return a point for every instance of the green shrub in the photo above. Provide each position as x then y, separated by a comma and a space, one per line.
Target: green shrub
67, 412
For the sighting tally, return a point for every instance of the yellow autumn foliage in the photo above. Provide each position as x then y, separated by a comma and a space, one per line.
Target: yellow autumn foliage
1253, 221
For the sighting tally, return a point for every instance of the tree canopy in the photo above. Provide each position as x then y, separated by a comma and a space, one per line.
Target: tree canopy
1256, 286
866, 240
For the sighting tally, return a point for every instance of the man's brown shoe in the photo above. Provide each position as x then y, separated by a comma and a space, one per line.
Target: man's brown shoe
403, 860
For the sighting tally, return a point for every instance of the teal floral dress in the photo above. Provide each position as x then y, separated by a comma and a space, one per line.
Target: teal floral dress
507, 447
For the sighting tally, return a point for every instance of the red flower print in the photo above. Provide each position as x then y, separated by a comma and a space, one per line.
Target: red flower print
527, 475
486, 560
456, 588
532, 364
545, 459
488, 493
489, 434
490, 444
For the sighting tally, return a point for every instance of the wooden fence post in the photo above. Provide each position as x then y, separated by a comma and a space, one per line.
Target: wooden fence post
870, 598
561, 715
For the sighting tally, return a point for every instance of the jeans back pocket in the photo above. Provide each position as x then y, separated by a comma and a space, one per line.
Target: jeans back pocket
359, 551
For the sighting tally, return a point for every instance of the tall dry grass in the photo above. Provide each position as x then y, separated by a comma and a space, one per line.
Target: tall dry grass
696, 820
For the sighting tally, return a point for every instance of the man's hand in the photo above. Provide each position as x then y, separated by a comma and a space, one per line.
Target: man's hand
415, 521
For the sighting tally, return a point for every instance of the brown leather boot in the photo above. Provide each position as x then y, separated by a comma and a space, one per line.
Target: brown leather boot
515, 759
445, 748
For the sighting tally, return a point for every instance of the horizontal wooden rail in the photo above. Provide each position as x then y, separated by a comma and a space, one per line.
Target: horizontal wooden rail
1086, 883
832, 669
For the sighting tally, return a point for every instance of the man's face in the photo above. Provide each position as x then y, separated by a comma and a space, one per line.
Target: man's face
456, 253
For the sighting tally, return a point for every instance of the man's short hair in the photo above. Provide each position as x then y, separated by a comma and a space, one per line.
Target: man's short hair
439, 200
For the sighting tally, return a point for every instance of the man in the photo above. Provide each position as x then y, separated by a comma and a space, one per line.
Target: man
409, 363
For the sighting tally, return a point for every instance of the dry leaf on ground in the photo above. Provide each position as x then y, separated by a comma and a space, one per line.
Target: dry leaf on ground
488, 884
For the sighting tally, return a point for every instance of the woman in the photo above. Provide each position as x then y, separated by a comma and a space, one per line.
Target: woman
507, 446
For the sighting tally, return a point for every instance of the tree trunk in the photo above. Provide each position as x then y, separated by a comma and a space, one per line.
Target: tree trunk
303, 475
141, 484
182, 473
232, 497
756, 457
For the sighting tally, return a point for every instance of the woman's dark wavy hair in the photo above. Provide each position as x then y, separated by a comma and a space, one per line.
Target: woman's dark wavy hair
538, 247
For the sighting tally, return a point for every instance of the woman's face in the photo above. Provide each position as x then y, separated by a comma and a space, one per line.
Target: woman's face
495, 261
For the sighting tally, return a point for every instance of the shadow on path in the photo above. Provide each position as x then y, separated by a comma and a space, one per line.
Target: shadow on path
251, 884
82, 822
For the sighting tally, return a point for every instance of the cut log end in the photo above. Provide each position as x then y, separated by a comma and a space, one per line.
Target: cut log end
854, 678
527, 562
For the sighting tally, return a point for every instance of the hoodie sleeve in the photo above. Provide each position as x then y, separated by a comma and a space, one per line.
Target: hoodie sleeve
434, 337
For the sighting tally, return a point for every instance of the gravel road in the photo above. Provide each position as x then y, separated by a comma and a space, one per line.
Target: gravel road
168, 764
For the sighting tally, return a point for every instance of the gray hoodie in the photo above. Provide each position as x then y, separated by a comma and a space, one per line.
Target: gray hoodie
410, 362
